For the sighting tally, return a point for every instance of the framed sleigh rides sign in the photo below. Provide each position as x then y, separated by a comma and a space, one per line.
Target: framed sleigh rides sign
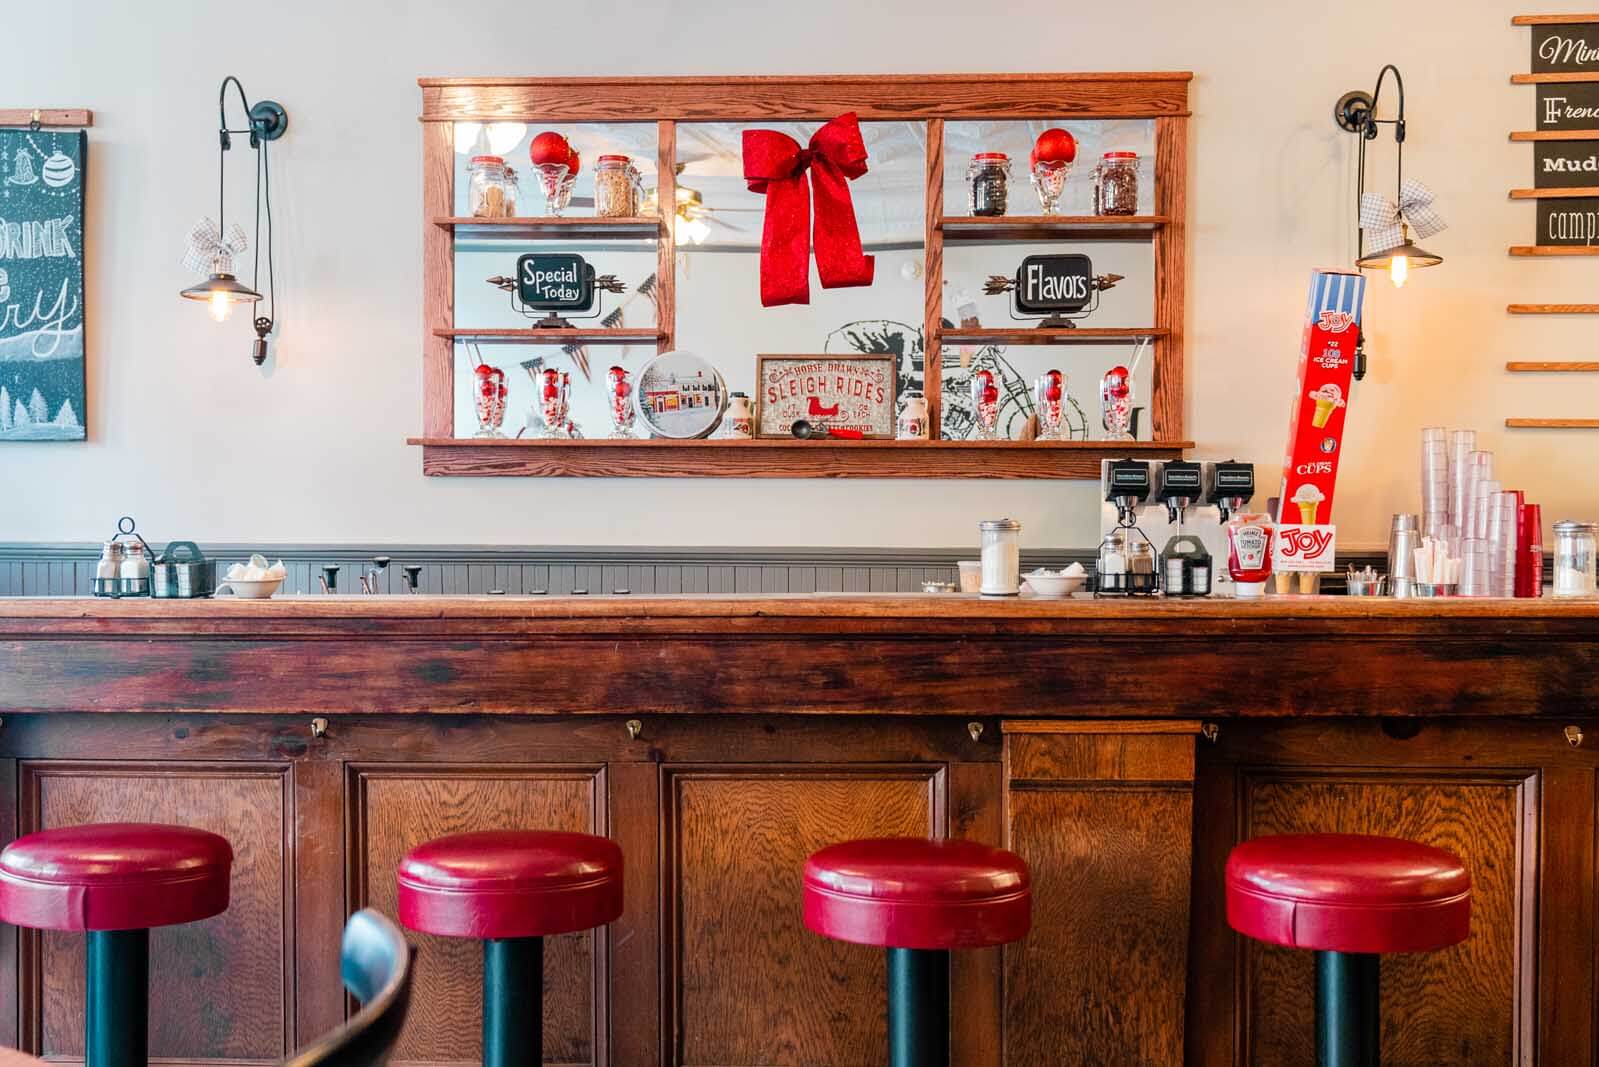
854, 394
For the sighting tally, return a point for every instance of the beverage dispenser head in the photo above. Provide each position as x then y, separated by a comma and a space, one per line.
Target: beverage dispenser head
1180, 486
1126, 484
1232, 487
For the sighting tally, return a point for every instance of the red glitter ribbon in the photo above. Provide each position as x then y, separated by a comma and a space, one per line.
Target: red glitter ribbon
775, 164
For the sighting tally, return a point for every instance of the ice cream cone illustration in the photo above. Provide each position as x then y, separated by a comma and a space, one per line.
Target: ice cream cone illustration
1327, 398
1309, 499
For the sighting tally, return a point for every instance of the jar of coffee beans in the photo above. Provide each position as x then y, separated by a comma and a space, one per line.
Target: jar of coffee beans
987, 180
1116, 184
616, 188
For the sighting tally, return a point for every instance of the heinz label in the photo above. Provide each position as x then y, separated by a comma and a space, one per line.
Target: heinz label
1321, 400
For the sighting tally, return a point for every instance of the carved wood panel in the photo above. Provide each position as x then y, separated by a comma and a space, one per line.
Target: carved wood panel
394, 808
747, 983
1457, 1006
1103, 815
219, 989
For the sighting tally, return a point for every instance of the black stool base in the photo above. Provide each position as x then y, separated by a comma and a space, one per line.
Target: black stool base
1348, 1031
918, 1007
513, 1002
116, 1018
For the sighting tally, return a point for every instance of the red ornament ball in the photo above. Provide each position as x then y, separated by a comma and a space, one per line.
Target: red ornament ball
549, 147
574, 163
1055, 146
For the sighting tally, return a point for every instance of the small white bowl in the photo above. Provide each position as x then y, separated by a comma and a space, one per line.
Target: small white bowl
246, 589
1055, 585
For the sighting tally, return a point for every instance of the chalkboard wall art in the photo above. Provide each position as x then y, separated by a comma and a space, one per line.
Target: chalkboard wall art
1570, 106
1565, 48
1565, 164
41, 285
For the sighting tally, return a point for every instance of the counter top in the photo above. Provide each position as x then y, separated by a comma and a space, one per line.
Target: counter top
808, 654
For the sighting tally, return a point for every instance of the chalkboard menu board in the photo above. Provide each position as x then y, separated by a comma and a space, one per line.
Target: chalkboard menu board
1565, 164
1565, 48
1569, 221
41, 285
1571, 106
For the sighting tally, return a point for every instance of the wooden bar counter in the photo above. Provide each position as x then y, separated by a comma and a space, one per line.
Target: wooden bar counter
1120, 748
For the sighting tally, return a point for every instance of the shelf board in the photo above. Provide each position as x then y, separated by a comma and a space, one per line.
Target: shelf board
1533, 366
1554, 250
1553, 424
1024, 335
1554, 135
1552, 194
1008, 229
599, 335
550, 228
503, 457
1553, 309
1555, 78
1553, 20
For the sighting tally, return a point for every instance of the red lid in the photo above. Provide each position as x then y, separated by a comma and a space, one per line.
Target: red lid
1121, 155
992, 157
616, 159
489, 159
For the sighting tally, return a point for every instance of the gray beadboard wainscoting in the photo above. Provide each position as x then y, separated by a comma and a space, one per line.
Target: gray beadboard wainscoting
32, 569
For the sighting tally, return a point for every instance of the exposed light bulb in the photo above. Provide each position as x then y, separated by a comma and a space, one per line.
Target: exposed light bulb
1399, 270
694, 230
221, 306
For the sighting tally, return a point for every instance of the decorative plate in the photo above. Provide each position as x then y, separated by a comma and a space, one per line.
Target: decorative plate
680, 396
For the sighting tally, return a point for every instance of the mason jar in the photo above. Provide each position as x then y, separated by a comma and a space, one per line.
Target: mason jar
486, 187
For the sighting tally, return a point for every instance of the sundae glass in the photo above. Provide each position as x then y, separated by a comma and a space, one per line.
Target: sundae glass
985, 405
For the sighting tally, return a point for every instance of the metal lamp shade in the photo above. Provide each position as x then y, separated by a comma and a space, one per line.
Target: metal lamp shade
1416, 255
222, 283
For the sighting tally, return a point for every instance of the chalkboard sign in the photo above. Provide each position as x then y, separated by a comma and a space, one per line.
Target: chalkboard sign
555, 281
1565, 164
1573, 106
41, 285
1567, 49
1573, 221
1052, 284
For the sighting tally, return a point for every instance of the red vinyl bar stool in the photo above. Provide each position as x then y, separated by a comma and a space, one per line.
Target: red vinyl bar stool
1348, 897
918, 898
114, 881
511, 889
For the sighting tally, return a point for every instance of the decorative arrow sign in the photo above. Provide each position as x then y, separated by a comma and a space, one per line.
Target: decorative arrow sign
1052, 284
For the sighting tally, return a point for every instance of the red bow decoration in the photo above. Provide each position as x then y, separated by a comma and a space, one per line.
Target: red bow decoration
775, 164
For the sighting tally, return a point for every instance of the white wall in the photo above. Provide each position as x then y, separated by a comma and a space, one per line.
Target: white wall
189, 436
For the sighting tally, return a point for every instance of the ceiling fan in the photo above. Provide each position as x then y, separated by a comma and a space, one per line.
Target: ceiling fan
693, 214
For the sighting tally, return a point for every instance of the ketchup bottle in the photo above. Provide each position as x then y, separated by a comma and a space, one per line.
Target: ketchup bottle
1249, 540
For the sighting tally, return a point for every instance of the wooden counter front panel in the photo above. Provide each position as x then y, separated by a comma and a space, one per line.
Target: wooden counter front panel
394, 808
747, 982
218, 989
1458, 1005
1103, 814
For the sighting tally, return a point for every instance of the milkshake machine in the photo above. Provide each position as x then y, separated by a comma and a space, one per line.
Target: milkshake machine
1182, 504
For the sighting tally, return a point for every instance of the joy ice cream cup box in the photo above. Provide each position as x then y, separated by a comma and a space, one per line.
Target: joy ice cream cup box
1316, 417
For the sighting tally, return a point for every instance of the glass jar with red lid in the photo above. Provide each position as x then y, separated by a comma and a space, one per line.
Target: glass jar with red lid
987, 183
486, 187
616, 187
1116, 184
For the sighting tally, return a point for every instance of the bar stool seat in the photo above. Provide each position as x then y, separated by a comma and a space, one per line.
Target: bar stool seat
511, 883
1348, 893
114, 876
917, 893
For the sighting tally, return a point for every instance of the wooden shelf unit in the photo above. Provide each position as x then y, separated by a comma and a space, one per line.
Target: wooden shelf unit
1554, 250
1552, 424
780, 459
1537, 367
1161, 98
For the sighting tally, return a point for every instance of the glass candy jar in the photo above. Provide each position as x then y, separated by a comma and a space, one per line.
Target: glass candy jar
489, 400
1116, 184
1576, 546
486, 187
616, 188
988, 183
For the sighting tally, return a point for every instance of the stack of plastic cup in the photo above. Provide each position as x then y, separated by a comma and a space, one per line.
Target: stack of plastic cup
1462, 443
1474, 577
1483, 486
1434, 479
1502, 514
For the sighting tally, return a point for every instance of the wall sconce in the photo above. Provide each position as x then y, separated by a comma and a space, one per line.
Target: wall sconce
1389, 222
212, 246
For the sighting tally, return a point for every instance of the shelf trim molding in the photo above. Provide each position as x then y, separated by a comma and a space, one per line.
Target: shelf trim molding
1555, 366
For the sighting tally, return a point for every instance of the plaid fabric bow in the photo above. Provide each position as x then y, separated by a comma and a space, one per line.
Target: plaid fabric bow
1383, 220
208, 253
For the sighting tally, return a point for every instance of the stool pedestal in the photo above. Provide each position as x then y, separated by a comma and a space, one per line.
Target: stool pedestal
1348, 1030
513, 982
116, 1015
918, 1007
